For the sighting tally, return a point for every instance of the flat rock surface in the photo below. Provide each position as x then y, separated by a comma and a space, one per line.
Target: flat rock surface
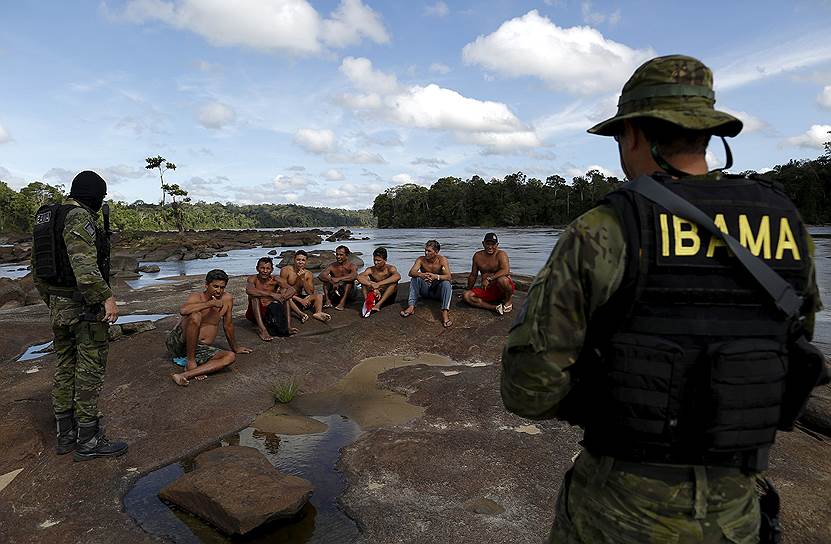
236, 490
412, 480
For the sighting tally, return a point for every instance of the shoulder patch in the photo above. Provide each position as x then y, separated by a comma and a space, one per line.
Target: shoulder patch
90, 229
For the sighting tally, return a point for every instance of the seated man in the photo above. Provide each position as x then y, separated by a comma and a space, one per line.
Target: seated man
301, 280
197, 329
338, 279
497, 285
431, 279
262, 289
380, 281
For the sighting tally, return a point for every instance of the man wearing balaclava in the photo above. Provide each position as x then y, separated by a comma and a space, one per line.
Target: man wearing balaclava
81, 308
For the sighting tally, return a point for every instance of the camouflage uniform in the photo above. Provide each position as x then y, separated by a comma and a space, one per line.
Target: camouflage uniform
600, 500
81, 343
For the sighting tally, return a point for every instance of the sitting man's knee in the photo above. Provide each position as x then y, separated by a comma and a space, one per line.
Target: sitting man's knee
467, 296
504, 282
230, 357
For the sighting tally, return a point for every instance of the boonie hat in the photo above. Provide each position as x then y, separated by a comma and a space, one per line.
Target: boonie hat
491, 237
677, 89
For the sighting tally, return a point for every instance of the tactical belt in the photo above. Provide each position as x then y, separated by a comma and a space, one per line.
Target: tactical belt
672, 474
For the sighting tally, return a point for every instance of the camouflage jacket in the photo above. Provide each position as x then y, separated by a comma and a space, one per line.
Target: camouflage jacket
585, 268
79, 236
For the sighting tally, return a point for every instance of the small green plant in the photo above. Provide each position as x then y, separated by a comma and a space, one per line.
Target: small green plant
284, 391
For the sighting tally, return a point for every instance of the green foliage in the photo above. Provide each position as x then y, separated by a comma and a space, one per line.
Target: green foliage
284, 391
513, 201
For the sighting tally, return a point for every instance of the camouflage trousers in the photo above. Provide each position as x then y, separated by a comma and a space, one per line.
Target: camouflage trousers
599, 504
81, 349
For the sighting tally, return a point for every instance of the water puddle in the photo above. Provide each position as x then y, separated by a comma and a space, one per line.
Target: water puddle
37, 351
40, 350
303, 438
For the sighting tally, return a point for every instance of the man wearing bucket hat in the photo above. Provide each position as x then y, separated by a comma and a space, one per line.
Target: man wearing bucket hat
644, 330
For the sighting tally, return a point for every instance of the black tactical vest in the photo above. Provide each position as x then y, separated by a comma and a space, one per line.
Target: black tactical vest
692, 351
51, 258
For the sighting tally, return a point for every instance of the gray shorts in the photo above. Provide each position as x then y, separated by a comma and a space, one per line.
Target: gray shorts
177, 347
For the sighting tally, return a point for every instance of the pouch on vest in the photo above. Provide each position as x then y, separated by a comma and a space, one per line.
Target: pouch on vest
806, 370
747, 386
639, 375
45, 243
275, 320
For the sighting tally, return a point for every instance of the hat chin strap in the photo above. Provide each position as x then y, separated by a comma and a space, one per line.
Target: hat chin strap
664, 164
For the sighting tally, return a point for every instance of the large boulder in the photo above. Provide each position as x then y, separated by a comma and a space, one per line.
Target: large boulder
123, 263
296, 239
341, 234
236, 489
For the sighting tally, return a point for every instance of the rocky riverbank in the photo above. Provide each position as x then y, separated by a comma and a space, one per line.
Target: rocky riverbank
186, 246
460, 469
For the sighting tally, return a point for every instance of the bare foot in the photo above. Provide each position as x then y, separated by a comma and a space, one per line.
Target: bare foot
264, 336
375, 309
408, 312
329, 305
293, 331
447, 323
322, 316
200, 378
179, 379
304, 318
338, 308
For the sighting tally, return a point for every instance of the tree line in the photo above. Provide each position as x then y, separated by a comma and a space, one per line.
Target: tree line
517, 200
19, 207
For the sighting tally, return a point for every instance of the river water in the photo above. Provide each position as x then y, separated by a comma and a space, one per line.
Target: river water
528, 249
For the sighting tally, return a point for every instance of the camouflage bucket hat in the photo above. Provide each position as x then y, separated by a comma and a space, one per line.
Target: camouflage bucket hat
675, 88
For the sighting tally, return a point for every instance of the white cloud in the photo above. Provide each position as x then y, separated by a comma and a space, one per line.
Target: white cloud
292, 26
814, 137
593, 17
824, 100
351, 22
14, 181
577, 116
356, 157
437, 108
360, 101
439, 9
216, 115
439, 68
429, 161
401, 179
751, 122
4, 135
334, 175
364, 77
572, 171
578, 60
315, 141
808, 50
289, 183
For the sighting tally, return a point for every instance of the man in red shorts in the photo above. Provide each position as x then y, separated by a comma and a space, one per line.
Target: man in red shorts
497, 286
262, 289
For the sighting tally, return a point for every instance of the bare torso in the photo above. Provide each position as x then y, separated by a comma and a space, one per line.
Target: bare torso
211, 317
437, 266
270, 285
337, 270
300, 280
488, 264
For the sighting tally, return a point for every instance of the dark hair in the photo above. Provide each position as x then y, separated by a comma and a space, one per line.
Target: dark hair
265, 260
434, 244
216, 274
300, 252
672, 139
346, 249
380, 252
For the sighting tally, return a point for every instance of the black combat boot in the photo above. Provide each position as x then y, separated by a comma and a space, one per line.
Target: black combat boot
66, 432
92, 443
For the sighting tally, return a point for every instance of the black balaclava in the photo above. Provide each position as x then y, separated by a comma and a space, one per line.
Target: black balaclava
89, 189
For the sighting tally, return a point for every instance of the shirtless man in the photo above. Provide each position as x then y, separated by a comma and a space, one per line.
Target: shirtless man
338, 279
431, 279
381, 280
262, 289
497, 285
197, 329
301, 280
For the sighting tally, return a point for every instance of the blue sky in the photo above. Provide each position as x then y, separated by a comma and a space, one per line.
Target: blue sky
328, 103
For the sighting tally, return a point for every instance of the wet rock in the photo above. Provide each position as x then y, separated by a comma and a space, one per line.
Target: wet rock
17, 253
274, 252
341, 234
221, 254
149, 268
236, 489
190, 256
818, 412
174, 257
482, 505
123, 263
12, 294
137, 327
297, 239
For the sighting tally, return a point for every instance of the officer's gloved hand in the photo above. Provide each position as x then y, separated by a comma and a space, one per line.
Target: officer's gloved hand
110, 310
